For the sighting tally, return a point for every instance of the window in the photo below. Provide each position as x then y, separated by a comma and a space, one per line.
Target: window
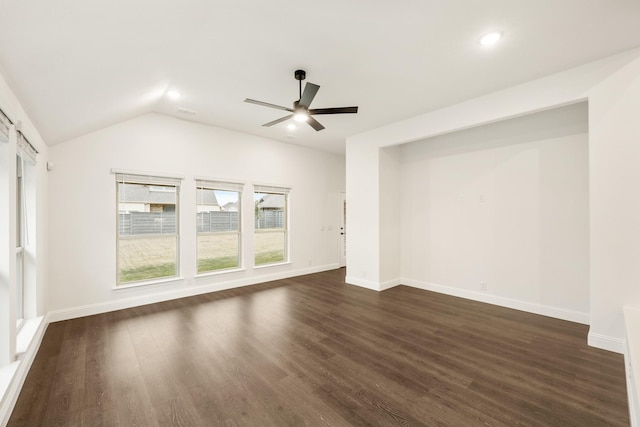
270, 207
148, 232
218, 225
25, 229
20, 238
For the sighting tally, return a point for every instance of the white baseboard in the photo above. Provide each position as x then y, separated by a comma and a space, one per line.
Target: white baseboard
632, 387
363, 283
10, 397
545, 310
605, 342
389, 284
186, 291
370, 284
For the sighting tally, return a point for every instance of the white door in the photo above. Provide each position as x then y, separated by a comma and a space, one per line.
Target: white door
343, 230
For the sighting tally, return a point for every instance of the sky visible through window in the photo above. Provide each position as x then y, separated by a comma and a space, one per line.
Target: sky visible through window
225, 197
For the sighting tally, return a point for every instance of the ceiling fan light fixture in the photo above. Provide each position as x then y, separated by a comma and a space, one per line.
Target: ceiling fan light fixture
301, 116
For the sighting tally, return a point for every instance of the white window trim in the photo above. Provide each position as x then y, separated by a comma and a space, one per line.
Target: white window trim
20, 320
220, 272
22, 233
275, 264
151, 282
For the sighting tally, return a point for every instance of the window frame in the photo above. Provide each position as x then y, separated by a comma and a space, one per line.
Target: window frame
25, 160
218, 185
20, 241
152, 180
281, 191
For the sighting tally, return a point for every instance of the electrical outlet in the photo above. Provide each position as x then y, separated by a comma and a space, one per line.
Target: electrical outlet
483, 286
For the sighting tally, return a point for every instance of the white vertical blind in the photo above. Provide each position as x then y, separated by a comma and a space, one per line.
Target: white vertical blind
258, 188
24, 212
25, 149
4, 127
219, 185
144, 178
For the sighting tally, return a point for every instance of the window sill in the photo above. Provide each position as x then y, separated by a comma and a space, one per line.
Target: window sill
219, 272
276, 264
165, 281
28, 330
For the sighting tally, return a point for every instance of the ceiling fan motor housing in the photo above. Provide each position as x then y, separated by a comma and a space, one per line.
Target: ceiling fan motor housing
300, 74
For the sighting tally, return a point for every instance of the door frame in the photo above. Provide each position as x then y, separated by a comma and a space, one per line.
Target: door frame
343, 230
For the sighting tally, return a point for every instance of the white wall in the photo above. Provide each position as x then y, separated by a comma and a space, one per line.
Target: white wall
363, 215
7, 251
614, 132
390, 221
83, 212
505, 204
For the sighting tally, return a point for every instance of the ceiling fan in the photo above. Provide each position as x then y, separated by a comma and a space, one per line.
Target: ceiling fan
301, 111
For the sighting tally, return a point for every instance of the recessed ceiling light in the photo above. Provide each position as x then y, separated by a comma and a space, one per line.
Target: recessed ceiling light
291, 126
491, 38
174, 94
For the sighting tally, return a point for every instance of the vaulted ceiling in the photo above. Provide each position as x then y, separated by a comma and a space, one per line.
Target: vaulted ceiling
79, 65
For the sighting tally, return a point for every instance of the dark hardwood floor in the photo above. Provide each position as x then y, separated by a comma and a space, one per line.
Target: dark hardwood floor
314, 351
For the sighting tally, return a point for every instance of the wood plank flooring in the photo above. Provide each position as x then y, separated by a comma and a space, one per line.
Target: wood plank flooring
314, 351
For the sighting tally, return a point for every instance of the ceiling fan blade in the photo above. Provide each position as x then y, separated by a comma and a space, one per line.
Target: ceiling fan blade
309, 93
315, 124
280, 120
339, 110
266, 104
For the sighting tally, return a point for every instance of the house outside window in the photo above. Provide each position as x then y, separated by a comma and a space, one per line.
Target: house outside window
148, 227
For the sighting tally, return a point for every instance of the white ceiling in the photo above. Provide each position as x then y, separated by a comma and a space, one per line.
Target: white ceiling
80, 65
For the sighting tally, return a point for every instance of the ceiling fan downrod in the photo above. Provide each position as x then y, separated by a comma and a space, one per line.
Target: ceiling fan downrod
300, 75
